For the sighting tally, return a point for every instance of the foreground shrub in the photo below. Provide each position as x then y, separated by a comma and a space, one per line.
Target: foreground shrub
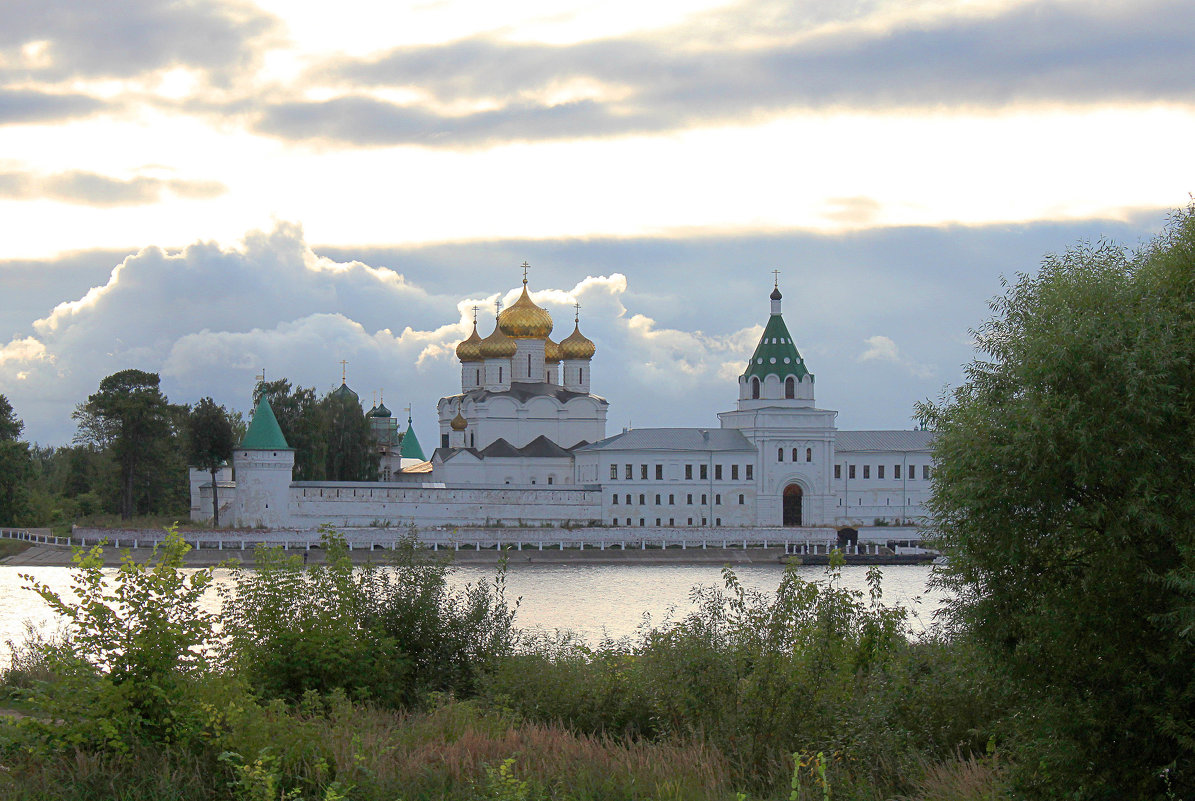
391, 634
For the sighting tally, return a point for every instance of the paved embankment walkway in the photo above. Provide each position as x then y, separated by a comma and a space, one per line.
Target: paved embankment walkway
59, 555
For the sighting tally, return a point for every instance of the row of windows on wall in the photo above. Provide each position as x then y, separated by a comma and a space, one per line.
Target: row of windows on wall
887, 502
702, 472
672, 499
547, 373
926, 471
790, 388
796, 454
671, 521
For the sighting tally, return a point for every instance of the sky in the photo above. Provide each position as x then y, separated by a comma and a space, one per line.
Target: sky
214, 188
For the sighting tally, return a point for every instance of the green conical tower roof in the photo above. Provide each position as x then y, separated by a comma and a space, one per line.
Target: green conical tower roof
776, 354
410, 445
264, 434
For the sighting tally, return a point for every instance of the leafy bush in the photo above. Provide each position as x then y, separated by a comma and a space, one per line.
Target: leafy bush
391, 634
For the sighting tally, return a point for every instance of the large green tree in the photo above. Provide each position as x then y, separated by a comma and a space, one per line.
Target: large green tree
352, 452
210, 441
302, 422
1063, 499
16, 467
130, 417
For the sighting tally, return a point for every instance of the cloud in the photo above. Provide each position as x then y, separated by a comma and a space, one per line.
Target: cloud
882, 349
27, 105
65, 39
93, 189
485, 90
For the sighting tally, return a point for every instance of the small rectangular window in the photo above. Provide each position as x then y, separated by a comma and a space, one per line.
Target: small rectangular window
837, 471
689, 498
628, 500
689, 472
879, 471
734, 472
850, 471
671, 499
717, 500
659, 472
657, 500
643, 472
896, 471
613, 472
629, 472
705, 473
616, 499
867, 471
717, 472
740, 500
657, 521
703, 499
641, 500
690, 521
750, 470
925, 472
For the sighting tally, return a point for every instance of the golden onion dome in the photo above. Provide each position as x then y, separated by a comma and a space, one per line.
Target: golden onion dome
497, 345
469, 350
552, 353
459, 423
577, 346
525, 320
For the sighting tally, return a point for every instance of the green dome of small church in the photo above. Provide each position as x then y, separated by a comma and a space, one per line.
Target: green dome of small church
776, 354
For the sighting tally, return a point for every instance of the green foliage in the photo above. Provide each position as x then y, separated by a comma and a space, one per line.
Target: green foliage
16, 468
210, 443
1062, 496
132, 663
390, 634
352, 454
302, 422
130, 417
816, 667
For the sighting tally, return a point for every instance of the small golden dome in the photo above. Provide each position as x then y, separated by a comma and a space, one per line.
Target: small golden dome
497, 345
459, 423
469, 350
577, 345
552, 354
525, 320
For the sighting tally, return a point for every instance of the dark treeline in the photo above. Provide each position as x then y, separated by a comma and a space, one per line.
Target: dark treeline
130, 454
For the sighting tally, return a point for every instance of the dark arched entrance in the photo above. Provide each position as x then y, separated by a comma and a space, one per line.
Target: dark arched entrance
792, 505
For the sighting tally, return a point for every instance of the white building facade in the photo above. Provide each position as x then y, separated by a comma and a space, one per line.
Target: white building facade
523, 444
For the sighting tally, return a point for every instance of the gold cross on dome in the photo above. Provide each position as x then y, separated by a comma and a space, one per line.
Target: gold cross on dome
474, 315
343, 373
577, 312
776, 283
526, 267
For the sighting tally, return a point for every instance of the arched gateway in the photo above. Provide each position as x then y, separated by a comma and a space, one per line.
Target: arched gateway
792, 505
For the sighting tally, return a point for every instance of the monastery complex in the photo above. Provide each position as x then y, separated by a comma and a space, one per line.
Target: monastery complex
523, 444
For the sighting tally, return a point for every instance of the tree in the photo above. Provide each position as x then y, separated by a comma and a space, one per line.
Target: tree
16, 467
211, 440
130, 416
352, 453
1062, 497
300, 417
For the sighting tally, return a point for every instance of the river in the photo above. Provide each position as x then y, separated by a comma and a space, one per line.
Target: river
594, 601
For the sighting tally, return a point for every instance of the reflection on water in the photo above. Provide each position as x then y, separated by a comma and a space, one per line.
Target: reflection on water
592, 600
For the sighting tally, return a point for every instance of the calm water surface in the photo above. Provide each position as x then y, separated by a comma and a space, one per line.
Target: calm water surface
594, 601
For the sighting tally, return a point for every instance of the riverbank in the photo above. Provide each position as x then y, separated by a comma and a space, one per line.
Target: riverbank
60, 556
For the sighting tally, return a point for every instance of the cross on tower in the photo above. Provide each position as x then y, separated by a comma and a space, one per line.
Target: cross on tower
408, 411
526, 267
343, 373
475, 315
776, 283
577, 313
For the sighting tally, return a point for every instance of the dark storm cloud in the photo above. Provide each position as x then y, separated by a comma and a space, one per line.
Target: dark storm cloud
1036, 53
93, 189
125, 38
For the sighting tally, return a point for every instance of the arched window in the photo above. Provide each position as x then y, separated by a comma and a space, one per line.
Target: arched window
790, 388
809, 454
795, 457
780, 454
754, 388
580, 375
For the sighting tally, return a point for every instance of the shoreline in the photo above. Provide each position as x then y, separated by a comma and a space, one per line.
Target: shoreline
60, 556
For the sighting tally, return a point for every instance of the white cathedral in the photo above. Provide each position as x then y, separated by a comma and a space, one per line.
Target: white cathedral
524, 444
